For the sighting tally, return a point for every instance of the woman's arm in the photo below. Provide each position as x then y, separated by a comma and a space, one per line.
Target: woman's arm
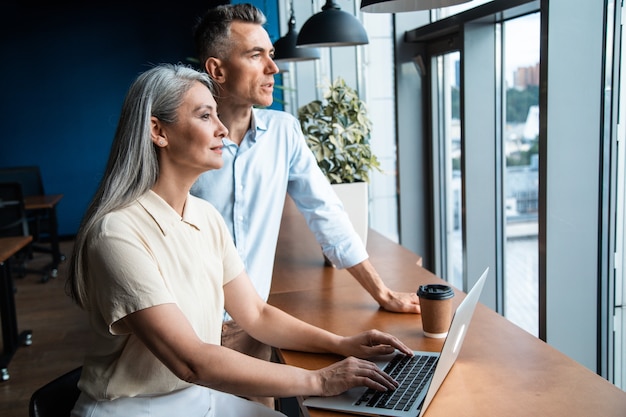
169, 336
277, 328
166, 332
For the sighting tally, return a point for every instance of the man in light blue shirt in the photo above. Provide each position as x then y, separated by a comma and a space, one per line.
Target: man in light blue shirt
266, 156
272, 160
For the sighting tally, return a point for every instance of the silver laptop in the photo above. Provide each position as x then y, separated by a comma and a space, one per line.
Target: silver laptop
421, 375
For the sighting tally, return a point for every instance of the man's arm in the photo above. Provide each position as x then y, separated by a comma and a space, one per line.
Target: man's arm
398, 302
322, 209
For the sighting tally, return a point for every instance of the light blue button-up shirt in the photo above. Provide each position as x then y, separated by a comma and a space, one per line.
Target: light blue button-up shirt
249, 191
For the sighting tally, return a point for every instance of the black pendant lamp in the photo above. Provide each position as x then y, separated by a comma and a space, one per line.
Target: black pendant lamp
332, 27
396, 6
285, 49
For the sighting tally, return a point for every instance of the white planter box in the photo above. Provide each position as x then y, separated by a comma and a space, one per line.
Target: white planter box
354, 197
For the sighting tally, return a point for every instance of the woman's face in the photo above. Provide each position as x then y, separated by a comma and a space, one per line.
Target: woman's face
194, 141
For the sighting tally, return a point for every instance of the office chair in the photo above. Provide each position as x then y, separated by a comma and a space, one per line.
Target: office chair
32, 184
39, 221
14, 222
57, 397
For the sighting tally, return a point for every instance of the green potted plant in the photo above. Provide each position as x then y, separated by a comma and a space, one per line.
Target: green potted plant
337, 130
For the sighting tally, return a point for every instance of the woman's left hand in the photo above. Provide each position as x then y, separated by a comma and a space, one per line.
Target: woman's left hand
372, 343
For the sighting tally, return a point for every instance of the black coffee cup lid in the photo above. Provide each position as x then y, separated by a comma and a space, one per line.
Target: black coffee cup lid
435, 292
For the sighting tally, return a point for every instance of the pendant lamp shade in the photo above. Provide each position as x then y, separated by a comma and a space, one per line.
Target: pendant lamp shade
396, 6
332, 27
285, 49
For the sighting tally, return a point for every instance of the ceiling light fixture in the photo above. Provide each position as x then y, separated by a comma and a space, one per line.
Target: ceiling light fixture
396, 6
285, 49
332, 27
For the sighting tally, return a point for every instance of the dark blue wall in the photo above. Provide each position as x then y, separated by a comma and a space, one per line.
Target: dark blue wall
65, 70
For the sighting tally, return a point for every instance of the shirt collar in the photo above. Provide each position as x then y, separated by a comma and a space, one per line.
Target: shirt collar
165, 216
258, 123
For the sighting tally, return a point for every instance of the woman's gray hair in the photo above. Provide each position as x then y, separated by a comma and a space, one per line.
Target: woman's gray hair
212, 31
132, 168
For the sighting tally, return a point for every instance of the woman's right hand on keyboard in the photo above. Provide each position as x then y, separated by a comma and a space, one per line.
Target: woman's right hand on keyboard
353, 372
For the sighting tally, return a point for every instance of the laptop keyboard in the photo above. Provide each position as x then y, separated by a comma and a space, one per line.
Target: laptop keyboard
412, 373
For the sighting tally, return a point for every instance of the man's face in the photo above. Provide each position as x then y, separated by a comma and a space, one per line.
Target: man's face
249, 69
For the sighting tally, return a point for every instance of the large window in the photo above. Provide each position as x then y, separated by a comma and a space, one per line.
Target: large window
521, 174
537, 175
447, 164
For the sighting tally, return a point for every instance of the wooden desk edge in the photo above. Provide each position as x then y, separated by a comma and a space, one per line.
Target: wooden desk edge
549, 396
9, 246
46, 201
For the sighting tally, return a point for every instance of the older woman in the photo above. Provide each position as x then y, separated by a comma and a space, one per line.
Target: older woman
155, 267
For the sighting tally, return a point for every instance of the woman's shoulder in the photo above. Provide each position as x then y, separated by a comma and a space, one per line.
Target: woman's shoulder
201, 204
198, 207
119, 220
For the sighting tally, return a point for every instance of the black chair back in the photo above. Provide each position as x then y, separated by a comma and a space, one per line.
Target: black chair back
13, 219
57, 397
31, 181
